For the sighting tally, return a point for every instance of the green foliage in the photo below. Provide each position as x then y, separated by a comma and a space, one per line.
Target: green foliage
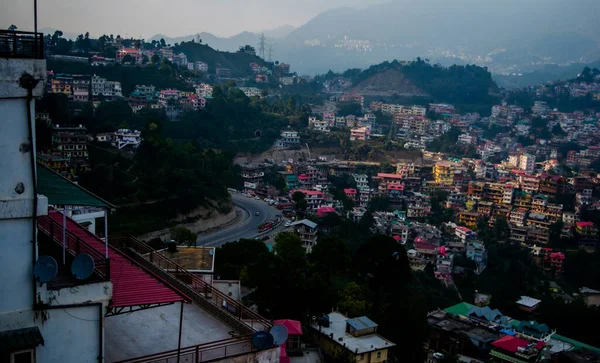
233, 257
354, 300
582, 269
448, 143
183, 235
350, 109
237, 62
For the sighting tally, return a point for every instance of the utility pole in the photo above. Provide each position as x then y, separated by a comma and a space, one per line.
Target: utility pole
261, 46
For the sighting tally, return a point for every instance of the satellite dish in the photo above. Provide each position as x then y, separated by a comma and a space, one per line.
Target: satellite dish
45, 269
279, 333
262, 340
82, 266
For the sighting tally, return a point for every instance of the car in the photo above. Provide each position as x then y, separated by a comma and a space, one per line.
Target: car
257, 198
288, 223
437, 355
257, 213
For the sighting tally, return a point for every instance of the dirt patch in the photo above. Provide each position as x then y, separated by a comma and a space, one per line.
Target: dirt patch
388, 83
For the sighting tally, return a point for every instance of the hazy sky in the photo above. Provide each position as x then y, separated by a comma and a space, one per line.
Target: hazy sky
172, 17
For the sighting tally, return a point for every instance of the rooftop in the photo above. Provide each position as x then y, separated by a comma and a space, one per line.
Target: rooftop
528, 301
358, 345
160, 327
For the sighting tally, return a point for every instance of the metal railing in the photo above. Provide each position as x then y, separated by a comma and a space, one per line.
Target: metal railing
206, 352
75, 245
18, 44
225, 303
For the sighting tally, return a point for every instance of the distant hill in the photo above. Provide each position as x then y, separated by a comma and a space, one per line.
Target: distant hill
279, 32
507, 32
471, 88
237, 62
546, 73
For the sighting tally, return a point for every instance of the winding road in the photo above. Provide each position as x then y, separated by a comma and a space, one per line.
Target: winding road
247, 224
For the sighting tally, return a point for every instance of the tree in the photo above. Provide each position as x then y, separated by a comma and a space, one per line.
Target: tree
331, 255
128, 59
300, 200
354, 300
155, 59
233, 258
288, 246
182, 235
162, 42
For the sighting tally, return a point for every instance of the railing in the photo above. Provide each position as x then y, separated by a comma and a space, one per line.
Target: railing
17, 44
230, 306
206, 352
75, 245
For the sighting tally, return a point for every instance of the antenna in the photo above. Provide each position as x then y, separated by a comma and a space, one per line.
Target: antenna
262, 340
82, 266
279, 333
261, 46
45, 269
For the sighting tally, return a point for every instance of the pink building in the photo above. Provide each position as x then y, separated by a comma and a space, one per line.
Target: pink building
136, 54
360, 134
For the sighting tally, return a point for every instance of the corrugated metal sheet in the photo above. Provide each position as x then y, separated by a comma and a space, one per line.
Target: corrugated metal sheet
132, 284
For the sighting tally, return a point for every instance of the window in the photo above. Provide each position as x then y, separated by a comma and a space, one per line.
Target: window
378, 355
362, 357
25, 356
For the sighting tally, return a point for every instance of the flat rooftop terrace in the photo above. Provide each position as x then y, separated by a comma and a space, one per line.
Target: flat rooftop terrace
194, 259
156, 330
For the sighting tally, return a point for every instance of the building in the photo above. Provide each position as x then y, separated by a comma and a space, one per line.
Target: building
204, 90
360, 134
126, 137
307, 231
318, 125
70, 142
477, 252
528, 304
336, 334
288, 139
33, 326
443, 172
201, 66
104, 88
527, 163
253, 176
134, 53
223, 73
251, 91
81, 88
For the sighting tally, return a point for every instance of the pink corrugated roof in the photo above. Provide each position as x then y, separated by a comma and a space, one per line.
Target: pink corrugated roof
294, 327
132, 284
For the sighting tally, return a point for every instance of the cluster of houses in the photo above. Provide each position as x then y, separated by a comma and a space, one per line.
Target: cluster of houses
478, 333
83, 88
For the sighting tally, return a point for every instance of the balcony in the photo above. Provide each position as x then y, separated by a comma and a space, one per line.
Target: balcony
17, 44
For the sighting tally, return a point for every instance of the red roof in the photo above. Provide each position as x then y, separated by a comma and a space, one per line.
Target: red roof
325, 210
388, 175
397, 238
585, 224
425, 246
350, 191
510, 343
132, 284
303, 176
294, 327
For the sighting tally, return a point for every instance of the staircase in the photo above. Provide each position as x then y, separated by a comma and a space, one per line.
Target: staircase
221, 306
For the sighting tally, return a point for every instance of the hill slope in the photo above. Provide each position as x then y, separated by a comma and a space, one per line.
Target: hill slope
387, 83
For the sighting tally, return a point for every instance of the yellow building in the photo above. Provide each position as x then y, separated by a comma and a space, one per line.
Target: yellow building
338, 335
443, 172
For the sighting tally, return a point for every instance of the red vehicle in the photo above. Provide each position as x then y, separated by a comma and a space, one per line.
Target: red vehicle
265, 227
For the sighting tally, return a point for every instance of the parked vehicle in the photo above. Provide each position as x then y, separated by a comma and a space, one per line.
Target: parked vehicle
265, 227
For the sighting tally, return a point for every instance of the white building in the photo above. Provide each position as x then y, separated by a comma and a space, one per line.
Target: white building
37, 322
204, 90
201, 66
288, 138
318, 125
125, 137
527, 162
251, 91
109, 89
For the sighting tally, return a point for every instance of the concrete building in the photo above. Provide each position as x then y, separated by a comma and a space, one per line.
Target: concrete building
253, 176
287, 139
36, 319
337, 334
307, 231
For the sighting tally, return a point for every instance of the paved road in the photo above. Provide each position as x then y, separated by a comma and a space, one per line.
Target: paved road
245, 227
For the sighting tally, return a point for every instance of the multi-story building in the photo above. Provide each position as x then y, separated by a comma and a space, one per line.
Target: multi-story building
134, 53
36, 313
253, 176
108, 89
476, 251
443, 264
251, 91
469, 218
62, 83
318, 125
204, 90
125, 137
81, 88
527, 163
167, 96
223, 73
307, 231
518, 216
443, 172
360, 134
288, 138
70, 142
201, 66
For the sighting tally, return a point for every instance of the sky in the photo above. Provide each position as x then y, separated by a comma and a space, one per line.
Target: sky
145, 18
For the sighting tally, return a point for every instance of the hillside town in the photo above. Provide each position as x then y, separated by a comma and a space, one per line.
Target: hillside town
232, 209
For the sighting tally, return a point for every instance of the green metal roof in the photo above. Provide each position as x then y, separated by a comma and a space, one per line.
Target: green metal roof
61, 191
459, 309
